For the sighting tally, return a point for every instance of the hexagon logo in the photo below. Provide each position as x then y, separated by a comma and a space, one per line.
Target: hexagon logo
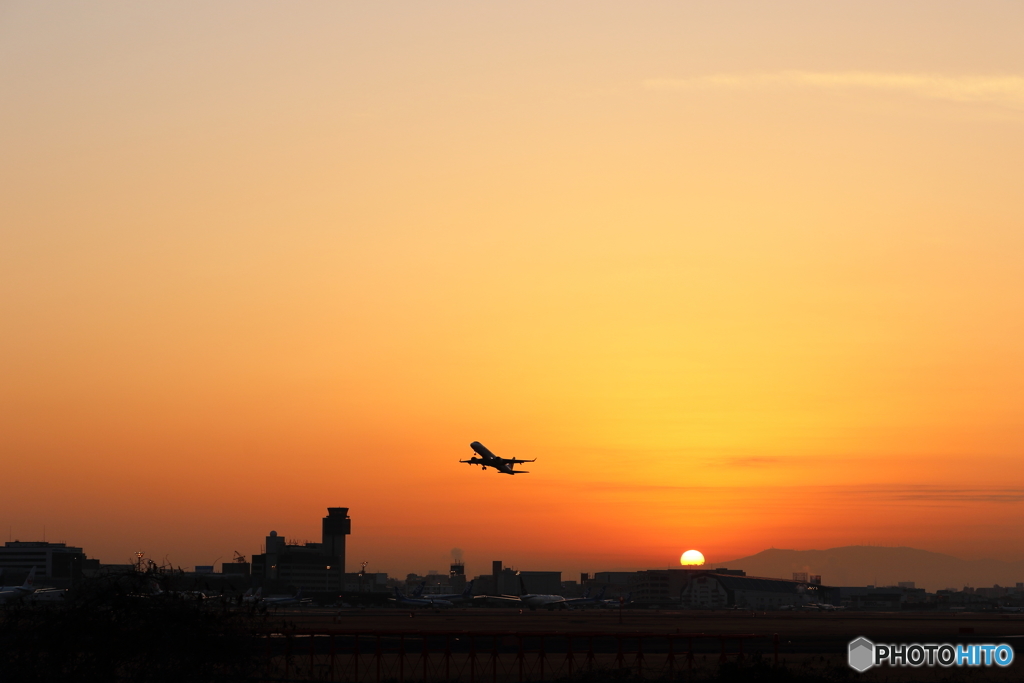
862, 654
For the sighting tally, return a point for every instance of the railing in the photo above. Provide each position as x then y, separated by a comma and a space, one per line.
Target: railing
499, 657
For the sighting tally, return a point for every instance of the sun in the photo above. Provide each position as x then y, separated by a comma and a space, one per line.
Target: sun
692, 558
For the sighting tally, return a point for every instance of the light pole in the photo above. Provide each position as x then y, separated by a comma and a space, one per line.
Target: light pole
327, 577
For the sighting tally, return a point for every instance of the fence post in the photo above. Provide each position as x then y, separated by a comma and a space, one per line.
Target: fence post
494, 659
355, 658
376, 655
447, 657
640, 657
426, 654
542, 658
472, 659
312, 653
520, 657
287, 656
401, 658
568, 653
775, 646
332, 658
671, 658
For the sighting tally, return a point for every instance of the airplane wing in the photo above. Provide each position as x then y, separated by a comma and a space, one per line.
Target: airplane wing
497, 600
516, 462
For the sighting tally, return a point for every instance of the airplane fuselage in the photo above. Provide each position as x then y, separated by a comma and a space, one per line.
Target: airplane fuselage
487, 459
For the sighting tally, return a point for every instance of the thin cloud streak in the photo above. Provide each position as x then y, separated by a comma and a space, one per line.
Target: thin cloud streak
884, 493
1005, 91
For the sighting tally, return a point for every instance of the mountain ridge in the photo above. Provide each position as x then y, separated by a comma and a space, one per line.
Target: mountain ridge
859, 565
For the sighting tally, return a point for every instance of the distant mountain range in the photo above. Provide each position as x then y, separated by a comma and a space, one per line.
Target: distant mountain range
859, 565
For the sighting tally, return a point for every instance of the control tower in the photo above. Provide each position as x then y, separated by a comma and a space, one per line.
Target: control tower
336, 526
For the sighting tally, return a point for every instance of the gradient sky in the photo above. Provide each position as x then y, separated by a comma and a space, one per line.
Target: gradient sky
739, 274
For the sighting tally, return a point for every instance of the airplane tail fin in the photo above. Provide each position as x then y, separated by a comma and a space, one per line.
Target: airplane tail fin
469, 589
601, 594
418, 591
30, 579
522, 586
259, 592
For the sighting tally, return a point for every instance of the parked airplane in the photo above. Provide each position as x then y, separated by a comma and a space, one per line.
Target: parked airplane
464, 596
420, 602
48, 595
619, 601
9, 593
586, 600
534, 600
284, 600
251, 597
488, 459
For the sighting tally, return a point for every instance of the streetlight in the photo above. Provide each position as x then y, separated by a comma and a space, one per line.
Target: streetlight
327, 578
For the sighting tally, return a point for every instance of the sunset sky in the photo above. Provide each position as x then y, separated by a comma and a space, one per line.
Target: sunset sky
739, 274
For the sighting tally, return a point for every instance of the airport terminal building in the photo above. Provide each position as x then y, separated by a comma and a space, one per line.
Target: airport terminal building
312, 567
51, 560
711, 590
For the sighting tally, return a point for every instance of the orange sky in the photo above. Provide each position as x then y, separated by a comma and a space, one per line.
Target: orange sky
740, 276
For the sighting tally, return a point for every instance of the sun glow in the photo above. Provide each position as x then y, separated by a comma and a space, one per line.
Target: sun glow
692, 558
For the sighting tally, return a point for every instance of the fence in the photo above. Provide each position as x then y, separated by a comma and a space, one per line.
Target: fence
460, 657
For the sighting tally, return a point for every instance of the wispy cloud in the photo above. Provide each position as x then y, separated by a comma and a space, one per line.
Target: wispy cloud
1007, 91
751, 461
895, 493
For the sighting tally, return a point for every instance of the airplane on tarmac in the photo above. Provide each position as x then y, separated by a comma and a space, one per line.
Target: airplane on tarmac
619, 601
284, 600
48, 595
534, 600
27, 586
420, 602
250, 597
9, 593
586, 600
464, 596
488, 459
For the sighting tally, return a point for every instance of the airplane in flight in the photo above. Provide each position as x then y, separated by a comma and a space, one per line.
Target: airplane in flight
488, 459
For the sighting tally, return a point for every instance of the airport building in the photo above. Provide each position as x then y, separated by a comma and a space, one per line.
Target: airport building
312, 567
51, 560
711, 589
508, 581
